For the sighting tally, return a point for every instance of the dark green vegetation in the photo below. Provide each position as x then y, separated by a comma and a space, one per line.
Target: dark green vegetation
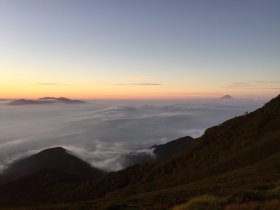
235, 165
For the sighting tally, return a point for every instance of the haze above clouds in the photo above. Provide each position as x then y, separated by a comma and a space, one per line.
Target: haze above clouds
109, 134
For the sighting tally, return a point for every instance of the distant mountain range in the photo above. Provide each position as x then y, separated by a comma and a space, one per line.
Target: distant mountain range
234, 165
46, 100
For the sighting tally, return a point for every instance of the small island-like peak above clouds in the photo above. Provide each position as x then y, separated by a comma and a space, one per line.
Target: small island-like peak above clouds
226, 97
46, 100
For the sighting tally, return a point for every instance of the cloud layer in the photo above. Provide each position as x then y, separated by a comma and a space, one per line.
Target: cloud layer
109, 135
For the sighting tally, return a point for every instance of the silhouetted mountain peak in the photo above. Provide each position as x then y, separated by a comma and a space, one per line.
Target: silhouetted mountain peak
227, 97
56, 159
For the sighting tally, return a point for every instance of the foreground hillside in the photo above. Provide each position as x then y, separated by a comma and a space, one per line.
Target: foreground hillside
235, 165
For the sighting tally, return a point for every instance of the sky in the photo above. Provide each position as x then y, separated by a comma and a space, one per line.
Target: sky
148, 49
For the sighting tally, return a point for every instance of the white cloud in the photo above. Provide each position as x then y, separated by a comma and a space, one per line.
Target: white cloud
106, 135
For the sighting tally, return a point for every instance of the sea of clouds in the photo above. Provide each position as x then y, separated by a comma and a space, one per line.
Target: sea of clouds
110, 135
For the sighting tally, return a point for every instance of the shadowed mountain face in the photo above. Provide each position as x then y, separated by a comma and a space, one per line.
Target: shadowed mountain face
161, 152
45, 100
57, 160
240, 154
164, 151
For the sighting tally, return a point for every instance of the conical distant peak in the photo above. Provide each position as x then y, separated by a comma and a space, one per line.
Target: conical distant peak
227, 97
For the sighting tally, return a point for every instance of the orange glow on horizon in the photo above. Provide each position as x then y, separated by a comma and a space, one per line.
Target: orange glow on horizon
130, 95
130, 92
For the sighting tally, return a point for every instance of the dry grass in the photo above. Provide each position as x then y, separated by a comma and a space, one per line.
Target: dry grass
203, 202
255, 205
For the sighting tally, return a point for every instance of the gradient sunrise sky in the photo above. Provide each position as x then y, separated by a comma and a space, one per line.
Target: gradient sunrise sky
139, 48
